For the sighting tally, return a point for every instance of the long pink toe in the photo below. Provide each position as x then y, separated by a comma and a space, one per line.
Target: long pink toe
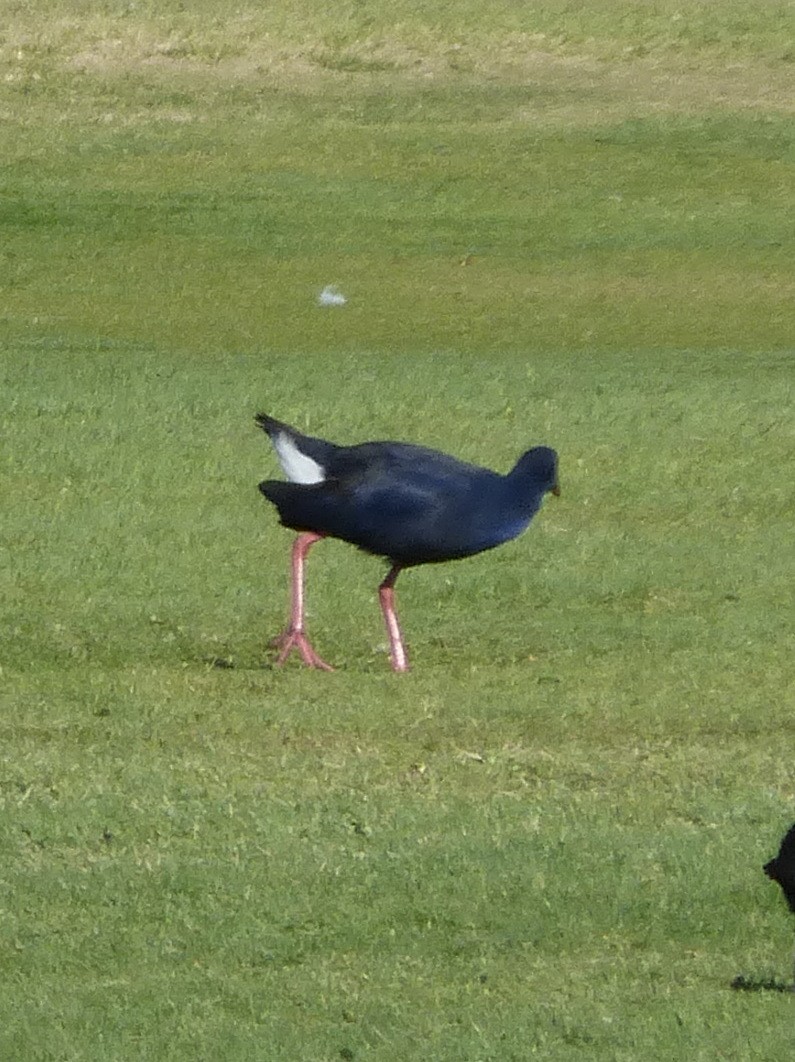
292, 639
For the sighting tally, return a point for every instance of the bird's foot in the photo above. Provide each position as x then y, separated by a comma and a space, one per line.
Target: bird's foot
296, 639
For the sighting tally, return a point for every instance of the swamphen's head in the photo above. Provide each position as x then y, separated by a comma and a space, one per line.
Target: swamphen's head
539, 466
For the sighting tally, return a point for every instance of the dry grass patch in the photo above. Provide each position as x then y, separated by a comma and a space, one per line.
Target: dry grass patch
640, 68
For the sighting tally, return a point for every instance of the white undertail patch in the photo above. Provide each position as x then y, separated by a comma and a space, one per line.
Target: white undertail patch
297, 466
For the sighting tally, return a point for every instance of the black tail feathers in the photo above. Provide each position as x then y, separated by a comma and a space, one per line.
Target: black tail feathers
268, 424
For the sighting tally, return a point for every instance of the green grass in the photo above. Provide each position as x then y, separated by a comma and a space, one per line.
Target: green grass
570, 226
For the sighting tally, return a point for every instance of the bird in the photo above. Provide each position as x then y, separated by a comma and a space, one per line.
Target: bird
782, 868
407, 503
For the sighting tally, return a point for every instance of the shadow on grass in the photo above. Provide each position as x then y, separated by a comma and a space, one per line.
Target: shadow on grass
741, 983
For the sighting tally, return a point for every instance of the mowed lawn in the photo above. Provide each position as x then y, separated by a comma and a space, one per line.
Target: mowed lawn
552, 225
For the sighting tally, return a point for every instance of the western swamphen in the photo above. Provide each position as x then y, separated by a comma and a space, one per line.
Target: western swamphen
782, 870
407, 503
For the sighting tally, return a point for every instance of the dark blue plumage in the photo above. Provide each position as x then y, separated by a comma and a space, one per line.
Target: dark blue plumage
782, 868
407, 503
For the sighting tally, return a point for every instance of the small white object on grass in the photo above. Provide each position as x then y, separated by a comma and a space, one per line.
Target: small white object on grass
331, 296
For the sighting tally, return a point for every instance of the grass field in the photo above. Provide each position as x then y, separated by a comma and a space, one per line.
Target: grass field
571, 225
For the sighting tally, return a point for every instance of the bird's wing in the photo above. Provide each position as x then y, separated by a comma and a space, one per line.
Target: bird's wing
415, 506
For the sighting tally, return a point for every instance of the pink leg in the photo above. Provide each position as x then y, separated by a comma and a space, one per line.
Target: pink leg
294, 637
386, 595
